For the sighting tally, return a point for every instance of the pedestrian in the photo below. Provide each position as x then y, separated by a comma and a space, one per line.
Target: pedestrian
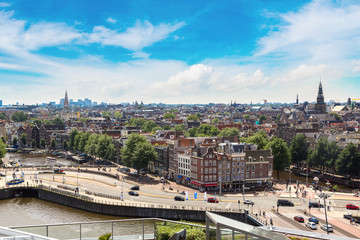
266, 222
271, 221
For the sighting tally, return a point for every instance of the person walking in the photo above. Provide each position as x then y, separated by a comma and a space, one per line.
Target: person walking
271, 221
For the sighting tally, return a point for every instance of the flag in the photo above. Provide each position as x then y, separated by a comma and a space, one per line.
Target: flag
195, 195
187, 196
205, 196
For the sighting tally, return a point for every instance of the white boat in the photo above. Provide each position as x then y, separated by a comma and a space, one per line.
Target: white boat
50, 160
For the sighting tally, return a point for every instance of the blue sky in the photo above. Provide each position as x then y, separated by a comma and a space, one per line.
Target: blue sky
179, 51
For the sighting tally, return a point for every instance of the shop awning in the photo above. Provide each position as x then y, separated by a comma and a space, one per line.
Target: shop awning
211, 184
179, 176
196, 183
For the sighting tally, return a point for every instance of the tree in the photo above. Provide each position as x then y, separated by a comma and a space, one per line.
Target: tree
179, 127
33, 143
42, 143
3, 116
2, 151
65, 145
23, 139
333, 152
83, 141
207, 130
148, 126
299, 149
349, 160
102, 146
91, 145
53, 144
319, 156
169, 116
57, 121
215, 121
127, 152
156, 129
191, 132
72, 138
117, 115
260, 139
105, 236
84, 120
36, 121
229, 132
280, 152
143, 154
19, 116
138, 122
337, 117
15, 141
262, 118
3, 139
193, 118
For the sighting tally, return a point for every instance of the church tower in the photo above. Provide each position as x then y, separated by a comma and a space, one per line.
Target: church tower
320, 104
66, 102
297, 98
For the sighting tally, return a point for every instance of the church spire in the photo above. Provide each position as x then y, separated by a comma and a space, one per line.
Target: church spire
297, 98
66, 101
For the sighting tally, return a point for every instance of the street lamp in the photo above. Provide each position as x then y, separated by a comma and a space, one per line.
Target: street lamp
122, 187
325, 196
243, 188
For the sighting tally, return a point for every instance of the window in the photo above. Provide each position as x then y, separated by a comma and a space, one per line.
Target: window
242, 170
270, 174
261, 159
201, 162
214, 162
206, 171
253, 167
261, 165
261, 173
247, 168
206, 163
202, 170
270, 166
228, 165
234, 164
234, 170
242, 176
247, 175
206, 178
210, 178
202, 178
250, 159
242, 163
210, 170
253, 175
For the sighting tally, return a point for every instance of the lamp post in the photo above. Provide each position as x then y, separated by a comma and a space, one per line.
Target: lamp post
122, 188
243, 188
325, 196
239, 204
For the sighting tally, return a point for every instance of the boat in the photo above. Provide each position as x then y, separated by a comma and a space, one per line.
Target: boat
51, 159
15, 182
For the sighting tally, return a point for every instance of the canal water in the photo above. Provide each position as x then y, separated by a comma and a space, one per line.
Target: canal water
37, 159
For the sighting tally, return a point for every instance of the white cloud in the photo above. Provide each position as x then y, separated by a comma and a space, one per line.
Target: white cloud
135, 38
5, 4
321, 30
111, 20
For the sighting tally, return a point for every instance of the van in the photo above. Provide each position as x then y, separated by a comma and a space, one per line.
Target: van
283, 202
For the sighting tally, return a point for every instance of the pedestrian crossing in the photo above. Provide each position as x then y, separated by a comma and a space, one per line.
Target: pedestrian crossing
291, 215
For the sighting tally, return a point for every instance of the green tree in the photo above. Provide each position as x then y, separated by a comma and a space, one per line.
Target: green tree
3, 116
262, 118
192, 132
102, 147
169, 116
349, 160
111, 152
91, 145
148, 126
77, 141
3, 139
166, 127
33, 143
281, 154
83, 141
23, 139
207, 130
319, 156
36, 122
2, 151
179, 127
333, 152
58, 121
84, 120
15, 141
42, 143
127, 152
137, 122
117, 115
105, 236
229, 132
215, 121
156, 129
337, 117
193, 118
65, 145
278, 118
260, 139
143, 154
72, 138
246, 116
53, 144
299, 149
19, 116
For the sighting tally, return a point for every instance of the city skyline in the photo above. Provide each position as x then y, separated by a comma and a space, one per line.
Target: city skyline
179, 52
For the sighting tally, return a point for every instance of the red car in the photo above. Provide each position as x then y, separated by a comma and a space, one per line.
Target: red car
299, 218
352, 206
213, 200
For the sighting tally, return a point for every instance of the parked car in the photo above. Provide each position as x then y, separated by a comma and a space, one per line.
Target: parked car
330, 229
352, 206
123, 170
314, 220
315, 205
133, 193
135, 188
249, 202
212, 200
283, 202
299, 218
179, 198
311, 225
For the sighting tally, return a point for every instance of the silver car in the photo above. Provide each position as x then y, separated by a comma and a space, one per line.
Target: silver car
330, 229
311, 225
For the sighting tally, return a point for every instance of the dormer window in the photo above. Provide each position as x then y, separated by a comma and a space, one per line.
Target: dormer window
250, 159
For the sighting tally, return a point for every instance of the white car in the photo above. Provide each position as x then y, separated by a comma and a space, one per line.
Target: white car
330, 229
249, 202
311, 225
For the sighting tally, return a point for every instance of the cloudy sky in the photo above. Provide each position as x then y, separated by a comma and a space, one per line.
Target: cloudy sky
179, 51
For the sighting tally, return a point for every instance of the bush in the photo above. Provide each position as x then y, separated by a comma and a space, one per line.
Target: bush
105, 236
165, 231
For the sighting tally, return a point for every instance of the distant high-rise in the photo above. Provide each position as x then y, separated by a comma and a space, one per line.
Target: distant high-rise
66, 102
320, 104
297, 98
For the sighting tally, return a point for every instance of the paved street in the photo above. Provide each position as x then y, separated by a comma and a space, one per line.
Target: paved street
154, 192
